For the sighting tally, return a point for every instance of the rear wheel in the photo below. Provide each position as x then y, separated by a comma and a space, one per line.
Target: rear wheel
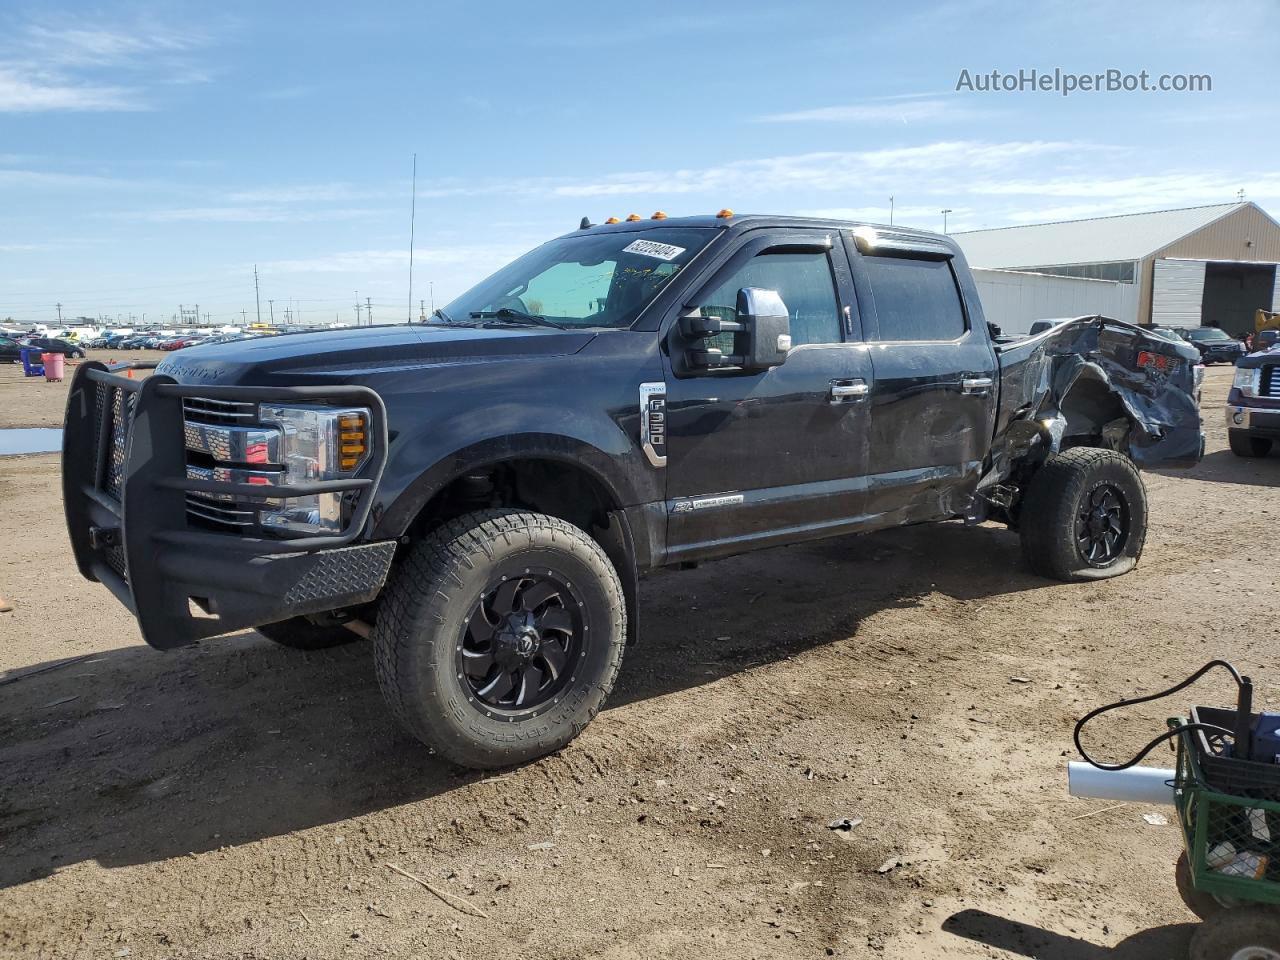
1243, 933
1243, 445
500, 636
1203, 905
301, 634
1084, 516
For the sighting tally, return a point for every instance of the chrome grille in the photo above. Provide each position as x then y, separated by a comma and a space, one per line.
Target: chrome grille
204, 410
219, 513
1268, 383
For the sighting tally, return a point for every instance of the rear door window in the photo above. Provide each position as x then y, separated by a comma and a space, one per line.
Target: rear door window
915, 299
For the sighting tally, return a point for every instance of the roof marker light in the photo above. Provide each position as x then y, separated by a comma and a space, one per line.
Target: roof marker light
658, 215
632, 217
612, 220
725, 214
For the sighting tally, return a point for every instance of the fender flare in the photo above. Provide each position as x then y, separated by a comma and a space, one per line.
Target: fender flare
394, 519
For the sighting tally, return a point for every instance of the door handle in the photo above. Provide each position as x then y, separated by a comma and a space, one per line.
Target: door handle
975, 384
843, 391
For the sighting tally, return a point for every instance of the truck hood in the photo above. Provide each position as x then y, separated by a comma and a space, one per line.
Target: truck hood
361, 351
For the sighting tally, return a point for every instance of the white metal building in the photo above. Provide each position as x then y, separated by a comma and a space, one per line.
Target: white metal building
1197, 265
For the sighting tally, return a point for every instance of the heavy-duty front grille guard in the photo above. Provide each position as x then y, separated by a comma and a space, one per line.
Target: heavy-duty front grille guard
152, 511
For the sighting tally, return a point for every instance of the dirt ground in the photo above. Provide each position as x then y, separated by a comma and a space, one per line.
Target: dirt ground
243, 800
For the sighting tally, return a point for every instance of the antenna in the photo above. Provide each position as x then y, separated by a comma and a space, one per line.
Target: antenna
413, 209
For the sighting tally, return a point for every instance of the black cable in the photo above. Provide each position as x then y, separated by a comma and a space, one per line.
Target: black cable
1235, 674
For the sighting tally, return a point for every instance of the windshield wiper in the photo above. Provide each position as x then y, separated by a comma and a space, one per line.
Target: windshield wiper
516, 316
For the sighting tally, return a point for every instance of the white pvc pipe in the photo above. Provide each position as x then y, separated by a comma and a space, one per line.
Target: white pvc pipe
1135, 785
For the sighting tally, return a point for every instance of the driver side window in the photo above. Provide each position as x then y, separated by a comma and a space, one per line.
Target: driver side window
803, 280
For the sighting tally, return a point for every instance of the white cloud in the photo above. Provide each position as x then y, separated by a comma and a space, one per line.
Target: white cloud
247, 213
485, 257
79, 68
906, 109
932, 167
35, 91
100, 46
917, 216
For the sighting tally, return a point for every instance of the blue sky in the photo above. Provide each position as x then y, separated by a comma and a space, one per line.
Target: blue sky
151, 154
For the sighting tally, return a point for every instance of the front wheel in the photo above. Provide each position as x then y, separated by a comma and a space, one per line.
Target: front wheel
1243, 445
500, 636
1084, 516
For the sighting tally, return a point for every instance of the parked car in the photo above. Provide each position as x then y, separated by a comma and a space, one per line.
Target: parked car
480, 494
10, 350
1215, 344
54, 345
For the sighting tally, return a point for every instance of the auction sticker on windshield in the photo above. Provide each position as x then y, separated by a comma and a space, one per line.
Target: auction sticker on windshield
651, 248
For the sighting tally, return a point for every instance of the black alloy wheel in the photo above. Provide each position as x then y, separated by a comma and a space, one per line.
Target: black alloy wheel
521, 641
1102, 525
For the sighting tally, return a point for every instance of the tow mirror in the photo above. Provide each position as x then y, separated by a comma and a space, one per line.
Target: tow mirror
761, 333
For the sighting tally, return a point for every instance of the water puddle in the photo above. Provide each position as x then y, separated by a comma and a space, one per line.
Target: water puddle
30, 440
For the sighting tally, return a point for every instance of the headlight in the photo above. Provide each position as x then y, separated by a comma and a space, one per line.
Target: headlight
318, 443
1246, 380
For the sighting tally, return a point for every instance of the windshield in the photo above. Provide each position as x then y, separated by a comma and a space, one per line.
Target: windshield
603, 280
1207, 333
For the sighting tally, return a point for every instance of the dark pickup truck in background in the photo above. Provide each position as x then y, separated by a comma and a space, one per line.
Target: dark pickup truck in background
1253, 405
481, 493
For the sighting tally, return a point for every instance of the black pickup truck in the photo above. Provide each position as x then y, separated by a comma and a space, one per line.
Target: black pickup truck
1253, 404
480, 493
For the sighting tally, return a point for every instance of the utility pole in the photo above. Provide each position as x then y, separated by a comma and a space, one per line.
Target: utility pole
197, 315
413, 209
422, 311
891, 210
271, 305
944, 218
60, 308
256, 297
368, 310
244, 317
357, 308
431, 292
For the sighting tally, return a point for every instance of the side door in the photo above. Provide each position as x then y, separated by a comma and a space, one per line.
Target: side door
933, 396
779, 455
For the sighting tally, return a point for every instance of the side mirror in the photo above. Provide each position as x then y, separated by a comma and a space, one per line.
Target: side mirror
768, 324
761, 333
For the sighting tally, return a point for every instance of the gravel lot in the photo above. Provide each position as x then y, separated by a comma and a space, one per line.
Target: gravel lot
244, 800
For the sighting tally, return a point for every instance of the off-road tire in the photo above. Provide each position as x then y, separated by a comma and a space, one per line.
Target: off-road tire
1052, 500
1203, 905
299, 633
424, 613
1243, 445
1230, 933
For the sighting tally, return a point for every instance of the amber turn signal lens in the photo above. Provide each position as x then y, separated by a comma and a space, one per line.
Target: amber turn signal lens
726, 213
352, 440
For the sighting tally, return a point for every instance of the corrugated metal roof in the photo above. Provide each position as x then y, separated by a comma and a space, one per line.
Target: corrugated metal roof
1099, 240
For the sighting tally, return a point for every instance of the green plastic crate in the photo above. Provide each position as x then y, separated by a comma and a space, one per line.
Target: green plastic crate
1214, 822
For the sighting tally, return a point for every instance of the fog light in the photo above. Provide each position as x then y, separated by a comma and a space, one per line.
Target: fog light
1237, 417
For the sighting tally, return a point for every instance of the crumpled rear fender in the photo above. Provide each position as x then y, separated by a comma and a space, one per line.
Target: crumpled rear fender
1041, 377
